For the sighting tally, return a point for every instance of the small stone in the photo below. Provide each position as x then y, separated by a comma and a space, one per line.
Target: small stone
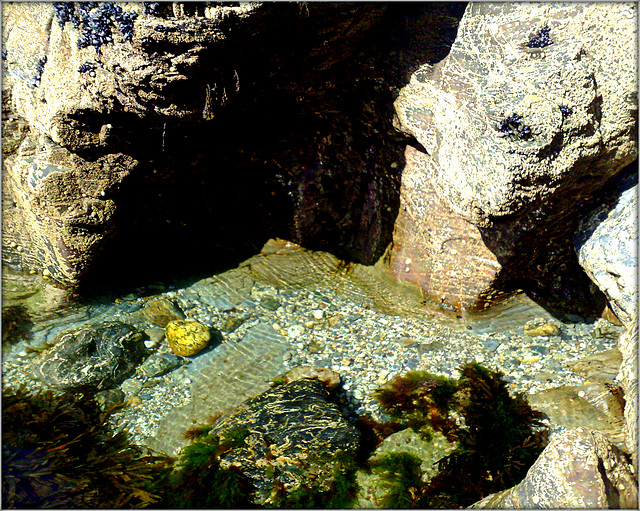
131, 386
546, 330
187, 337
231, 323
160, 363
318, 314
109, 398
269, 303
314, 346
491, 345
295, 331
156, 334
162, 311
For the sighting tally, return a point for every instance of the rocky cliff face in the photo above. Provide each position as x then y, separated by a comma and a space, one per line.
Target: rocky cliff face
154, 138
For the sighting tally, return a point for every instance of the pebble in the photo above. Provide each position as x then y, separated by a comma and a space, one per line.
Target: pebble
187, 337
366, 348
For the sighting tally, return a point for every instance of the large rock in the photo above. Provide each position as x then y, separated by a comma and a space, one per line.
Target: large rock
579, 469
607, 247
142, 127
518, 136
294, 428
92, 357
628, 378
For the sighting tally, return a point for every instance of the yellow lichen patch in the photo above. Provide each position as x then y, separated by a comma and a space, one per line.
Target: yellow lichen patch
187, 337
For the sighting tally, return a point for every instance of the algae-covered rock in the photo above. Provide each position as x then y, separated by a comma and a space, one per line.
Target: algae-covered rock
377, 489
297, 440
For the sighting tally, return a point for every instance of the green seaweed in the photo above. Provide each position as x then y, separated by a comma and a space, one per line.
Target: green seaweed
59, 452
498, 438
339, 491
201, 482
402, 478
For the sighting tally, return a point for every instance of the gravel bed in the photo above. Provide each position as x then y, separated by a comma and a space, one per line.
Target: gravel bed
365, 347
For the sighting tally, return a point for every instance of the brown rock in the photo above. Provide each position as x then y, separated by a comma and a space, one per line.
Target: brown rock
579, 469
162, 311
436, 250
628, 378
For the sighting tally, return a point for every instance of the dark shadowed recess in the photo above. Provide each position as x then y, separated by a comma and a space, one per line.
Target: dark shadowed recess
304, 149
538, 255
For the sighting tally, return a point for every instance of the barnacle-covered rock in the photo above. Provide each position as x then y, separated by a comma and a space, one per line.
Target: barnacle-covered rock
92, 357
519, 128
187, 337
295, 433
579, 469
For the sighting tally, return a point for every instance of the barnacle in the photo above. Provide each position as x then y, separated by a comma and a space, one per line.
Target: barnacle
565, 110
513, 125
541, 39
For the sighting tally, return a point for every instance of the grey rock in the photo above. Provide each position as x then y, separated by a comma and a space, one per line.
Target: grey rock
607, 247
109, 398
294, 427
579, 469
595, 406
92, 357
628, 378
161, 363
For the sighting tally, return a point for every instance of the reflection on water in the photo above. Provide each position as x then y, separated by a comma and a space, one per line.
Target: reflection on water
284, 265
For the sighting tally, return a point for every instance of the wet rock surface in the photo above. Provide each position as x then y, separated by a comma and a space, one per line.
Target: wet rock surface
579, 469
92, 357
294, 428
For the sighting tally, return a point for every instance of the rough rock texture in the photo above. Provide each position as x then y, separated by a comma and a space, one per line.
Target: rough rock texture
276, 117
579, 469
607, 247
92, 357
628, 378
294, 427
518, 141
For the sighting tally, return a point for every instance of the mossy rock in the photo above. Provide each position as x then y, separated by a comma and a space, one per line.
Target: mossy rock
378, 489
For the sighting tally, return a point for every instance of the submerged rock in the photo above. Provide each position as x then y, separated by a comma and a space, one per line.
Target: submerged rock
294, 428
92, 357
187, 337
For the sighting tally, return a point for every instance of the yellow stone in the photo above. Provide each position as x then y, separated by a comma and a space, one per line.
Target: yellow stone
546, 330
187, 337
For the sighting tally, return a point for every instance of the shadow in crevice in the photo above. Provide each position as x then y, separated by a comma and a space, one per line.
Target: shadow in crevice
538, 249
306, 151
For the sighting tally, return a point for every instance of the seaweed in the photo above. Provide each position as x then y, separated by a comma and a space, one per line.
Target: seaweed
402, 478
59, 452
201, 482
419, 398
498, 436
339, 491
